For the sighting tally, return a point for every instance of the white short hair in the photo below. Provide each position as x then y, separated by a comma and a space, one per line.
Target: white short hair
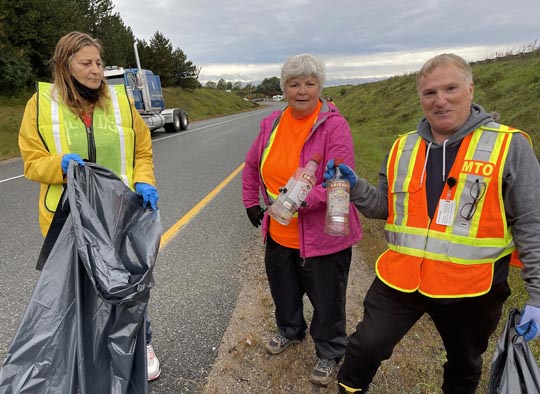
303, 65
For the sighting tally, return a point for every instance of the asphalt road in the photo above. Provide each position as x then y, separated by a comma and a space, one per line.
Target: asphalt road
196, 273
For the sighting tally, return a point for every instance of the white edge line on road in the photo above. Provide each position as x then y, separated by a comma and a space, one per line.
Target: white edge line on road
181, 133
10, 179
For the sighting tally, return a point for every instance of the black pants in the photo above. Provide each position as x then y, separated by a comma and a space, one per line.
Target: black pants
324, 280
465, 327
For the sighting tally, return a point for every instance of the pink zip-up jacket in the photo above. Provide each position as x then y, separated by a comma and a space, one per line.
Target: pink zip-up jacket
330, 137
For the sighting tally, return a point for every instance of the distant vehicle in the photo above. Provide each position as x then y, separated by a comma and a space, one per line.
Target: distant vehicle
144, 88
277, 97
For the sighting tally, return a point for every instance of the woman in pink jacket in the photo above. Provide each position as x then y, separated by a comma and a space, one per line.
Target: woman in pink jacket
300, 258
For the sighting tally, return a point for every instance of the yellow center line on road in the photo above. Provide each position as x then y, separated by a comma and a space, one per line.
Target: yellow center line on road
175, 229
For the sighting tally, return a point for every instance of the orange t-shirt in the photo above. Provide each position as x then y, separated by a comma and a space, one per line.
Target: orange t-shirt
281, 163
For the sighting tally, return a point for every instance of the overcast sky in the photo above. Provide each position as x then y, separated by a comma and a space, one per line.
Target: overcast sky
248, 40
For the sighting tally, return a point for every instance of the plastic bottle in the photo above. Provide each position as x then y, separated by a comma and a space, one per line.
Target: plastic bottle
337, 204
295, 192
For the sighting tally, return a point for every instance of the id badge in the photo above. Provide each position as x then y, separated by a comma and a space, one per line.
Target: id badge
445, 215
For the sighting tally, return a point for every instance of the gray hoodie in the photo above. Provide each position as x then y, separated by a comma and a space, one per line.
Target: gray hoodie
521, 184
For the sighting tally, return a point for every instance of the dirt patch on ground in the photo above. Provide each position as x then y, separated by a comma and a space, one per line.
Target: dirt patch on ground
243, 366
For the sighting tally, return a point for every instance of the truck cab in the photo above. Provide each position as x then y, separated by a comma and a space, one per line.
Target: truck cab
130, 78
144, 88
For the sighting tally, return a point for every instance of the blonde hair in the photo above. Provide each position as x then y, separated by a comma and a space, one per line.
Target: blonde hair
445, 59
66, 47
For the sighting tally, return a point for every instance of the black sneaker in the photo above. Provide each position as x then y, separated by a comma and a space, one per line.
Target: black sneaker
279, 343
322, 374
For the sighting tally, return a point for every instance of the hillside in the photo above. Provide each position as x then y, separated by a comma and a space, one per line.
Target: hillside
377, 112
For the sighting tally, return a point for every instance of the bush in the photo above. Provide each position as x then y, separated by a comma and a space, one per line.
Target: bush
15, 72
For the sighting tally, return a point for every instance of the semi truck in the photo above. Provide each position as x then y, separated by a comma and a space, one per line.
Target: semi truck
144, 88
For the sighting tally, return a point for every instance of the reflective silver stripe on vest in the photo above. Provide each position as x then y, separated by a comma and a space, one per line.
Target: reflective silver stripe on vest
440, 249
401, 175
121, 136
55, 120
485, 146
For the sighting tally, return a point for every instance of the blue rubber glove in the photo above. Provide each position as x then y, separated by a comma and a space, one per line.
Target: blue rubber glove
149, 194
529, 322
346, 172
71, 156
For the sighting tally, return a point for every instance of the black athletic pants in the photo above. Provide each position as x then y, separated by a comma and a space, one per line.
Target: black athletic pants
324, 280
465, 327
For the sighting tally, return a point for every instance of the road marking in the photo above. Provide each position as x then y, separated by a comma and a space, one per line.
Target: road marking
10, 179
177, 227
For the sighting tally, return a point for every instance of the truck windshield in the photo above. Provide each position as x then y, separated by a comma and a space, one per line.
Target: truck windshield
115, 80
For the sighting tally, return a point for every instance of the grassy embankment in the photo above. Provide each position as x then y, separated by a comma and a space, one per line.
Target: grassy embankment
200, 104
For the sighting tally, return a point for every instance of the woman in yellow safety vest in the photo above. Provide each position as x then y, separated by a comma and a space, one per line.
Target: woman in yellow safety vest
79, 117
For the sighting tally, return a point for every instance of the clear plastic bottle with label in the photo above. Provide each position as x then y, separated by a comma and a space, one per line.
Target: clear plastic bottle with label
295, 192
337, 204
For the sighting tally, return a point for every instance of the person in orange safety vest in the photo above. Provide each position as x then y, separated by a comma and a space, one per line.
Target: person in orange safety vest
459, 196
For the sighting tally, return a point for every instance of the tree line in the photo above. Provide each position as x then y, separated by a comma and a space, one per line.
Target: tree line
30, 29
268, 87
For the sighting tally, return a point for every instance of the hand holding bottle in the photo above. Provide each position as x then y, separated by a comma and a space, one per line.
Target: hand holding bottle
346, 172
337, 202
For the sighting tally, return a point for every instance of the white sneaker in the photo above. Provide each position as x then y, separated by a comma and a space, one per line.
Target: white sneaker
152, 363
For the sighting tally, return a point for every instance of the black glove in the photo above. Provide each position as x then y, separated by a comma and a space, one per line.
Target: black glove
255, 215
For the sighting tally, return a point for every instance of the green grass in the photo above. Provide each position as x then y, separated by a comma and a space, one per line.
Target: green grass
11, 112
205, 103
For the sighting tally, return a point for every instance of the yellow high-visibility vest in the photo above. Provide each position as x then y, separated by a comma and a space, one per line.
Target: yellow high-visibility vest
111, 136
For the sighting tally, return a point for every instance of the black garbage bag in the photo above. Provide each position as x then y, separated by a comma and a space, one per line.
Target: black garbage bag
513, 369
83, 329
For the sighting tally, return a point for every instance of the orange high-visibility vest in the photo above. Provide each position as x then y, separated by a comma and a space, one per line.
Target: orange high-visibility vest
455, 259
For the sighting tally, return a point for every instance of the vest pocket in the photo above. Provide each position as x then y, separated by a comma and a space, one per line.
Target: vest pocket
407, 196
52, 196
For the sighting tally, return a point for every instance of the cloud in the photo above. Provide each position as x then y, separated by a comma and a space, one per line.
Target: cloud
249, 40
